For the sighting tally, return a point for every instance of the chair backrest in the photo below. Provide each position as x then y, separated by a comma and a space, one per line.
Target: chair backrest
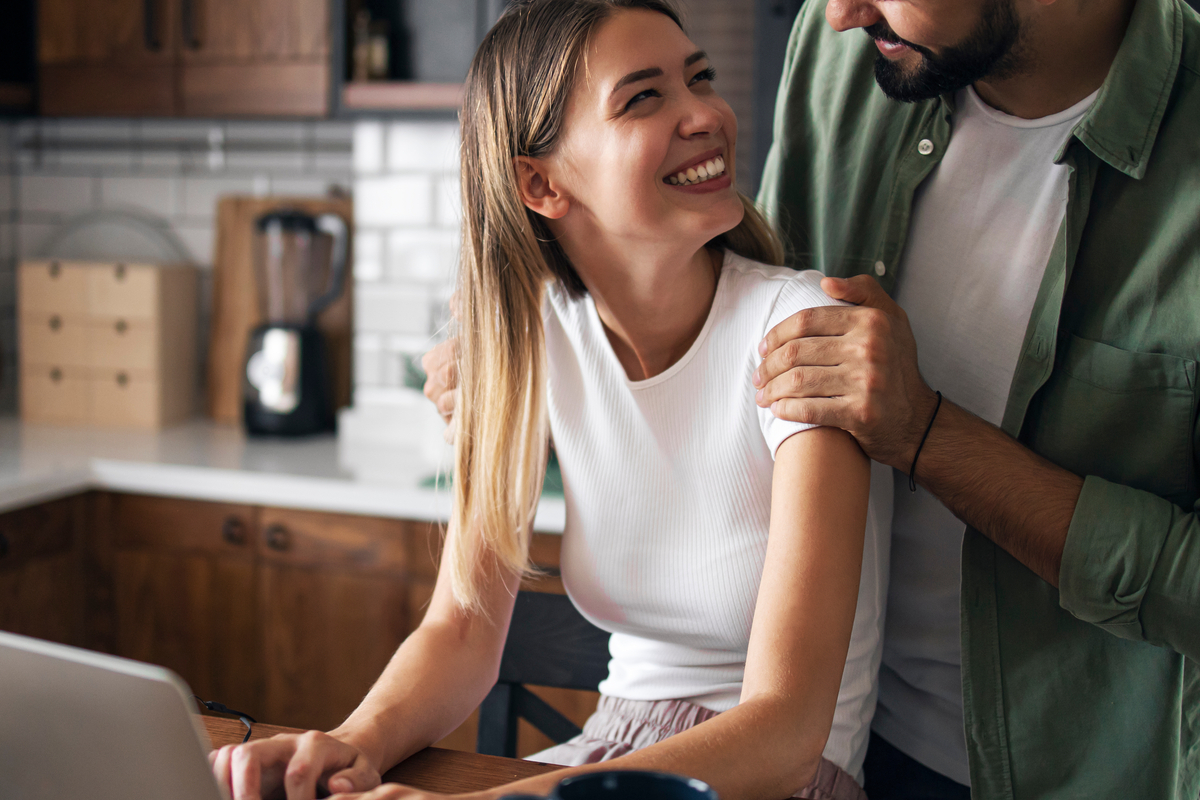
549, 644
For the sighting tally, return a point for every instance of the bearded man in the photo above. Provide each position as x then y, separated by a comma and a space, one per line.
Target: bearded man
1022, 178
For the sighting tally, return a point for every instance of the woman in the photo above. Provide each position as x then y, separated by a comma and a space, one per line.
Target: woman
613, 297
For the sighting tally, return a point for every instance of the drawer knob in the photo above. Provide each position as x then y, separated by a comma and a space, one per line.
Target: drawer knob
3, 545
122, 326
233, 531
120, 272
55, 269
279, 538
56, 374
122, 379
55, 322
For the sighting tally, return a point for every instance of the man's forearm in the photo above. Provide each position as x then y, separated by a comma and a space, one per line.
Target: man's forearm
992, 482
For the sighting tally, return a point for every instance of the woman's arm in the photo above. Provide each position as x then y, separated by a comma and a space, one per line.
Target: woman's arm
433, 682
768, 747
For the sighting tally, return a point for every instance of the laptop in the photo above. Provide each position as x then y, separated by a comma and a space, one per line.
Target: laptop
78, 724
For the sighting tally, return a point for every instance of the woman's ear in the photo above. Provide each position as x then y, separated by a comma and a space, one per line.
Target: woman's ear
539, 192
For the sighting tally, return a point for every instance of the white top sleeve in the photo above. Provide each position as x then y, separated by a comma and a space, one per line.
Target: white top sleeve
800, 292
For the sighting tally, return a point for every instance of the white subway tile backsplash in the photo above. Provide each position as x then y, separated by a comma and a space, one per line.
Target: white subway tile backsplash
448, 202
422, 147
424, 255
199, 239
306, 187
32, 237
56, 193
200, 195
153, 194
368, 147
368, 364
394, 200
391, 309
368, 255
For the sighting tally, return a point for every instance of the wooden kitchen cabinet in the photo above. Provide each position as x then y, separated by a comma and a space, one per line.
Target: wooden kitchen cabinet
116, 58
42, 571
184, 57
287, 615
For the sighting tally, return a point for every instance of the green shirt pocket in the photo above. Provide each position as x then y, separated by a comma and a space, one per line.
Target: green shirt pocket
1124, 416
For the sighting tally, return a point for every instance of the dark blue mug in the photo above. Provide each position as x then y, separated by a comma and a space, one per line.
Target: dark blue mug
626, 786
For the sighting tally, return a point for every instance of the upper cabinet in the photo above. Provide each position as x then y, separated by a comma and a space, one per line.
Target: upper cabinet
184, 57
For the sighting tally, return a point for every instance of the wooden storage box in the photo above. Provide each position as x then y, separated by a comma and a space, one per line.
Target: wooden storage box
107, 344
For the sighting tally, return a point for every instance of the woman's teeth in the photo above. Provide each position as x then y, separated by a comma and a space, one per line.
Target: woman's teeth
713, 168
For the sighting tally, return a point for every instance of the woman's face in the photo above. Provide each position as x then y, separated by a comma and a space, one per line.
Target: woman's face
647, 153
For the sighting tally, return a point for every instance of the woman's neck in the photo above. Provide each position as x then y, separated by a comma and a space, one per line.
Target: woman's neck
652, 309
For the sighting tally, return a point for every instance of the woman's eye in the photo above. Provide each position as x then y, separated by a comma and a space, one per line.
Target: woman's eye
709, 74
641, 96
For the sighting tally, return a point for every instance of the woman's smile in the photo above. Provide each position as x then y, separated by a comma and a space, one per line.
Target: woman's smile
707, 168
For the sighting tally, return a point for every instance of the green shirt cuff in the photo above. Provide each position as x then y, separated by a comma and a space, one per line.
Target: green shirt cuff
1113, 546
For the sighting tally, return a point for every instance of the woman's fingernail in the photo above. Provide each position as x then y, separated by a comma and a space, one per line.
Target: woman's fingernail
340, 785
756, 379
762, 347
758, 396
775, 408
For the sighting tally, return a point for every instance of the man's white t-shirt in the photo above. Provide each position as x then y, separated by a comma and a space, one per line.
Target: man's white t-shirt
668, 493
983, 226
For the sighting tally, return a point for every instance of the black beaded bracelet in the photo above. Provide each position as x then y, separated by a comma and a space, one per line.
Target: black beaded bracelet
912, 472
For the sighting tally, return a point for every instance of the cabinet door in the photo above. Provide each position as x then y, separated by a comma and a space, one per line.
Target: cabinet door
110, 58
41, 571
333, 591
184, 593
269, 57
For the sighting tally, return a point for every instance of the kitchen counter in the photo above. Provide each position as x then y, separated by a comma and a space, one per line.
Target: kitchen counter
201, 460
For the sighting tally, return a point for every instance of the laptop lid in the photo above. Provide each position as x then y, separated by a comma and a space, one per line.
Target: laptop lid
74, 723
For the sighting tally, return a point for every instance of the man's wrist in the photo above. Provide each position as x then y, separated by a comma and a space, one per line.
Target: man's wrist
365, 739
914, 430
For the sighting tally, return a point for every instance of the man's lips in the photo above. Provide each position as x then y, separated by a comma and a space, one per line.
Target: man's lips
892, 49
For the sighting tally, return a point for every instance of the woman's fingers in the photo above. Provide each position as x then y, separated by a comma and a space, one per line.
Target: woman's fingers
360, 777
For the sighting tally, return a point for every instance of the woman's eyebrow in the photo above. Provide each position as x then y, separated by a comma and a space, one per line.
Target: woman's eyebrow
654, 72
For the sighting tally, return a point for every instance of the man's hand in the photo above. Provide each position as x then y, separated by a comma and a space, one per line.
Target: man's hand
293, 764
853, 368
441, 382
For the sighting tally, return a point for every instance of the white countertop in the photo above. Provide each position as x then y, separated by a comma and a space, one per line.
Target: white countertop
201, 460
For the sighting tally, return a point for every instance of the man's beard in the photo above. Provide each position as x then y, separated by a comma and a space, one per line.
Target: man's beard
990, 51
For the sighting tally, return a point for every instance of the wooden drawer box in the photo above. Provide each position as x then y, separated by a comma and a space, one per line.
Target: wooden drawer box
107, 344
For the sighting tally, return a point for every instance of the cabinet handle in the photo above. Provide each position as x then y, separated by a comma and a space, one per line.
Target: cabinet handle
120, 272
122, 379
3, 545
56, 374
55, 322
187, 10
121, 326
55, 269
150, 25
233, 531
279, 538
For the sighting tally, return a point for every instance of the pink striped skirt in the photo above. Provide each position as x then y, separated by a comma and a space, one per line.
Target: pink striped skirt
622, 726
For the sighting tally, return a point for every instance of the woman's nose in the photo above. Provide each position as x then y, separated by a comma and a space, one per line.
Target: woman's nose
700, 119
842, 15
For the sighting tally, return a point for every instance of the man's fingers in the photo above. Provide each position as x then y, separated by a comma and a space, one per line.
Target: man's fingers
819, 321
447, 403
219, 759
800, 383
312, 759
819, 351
831, 412
861, 290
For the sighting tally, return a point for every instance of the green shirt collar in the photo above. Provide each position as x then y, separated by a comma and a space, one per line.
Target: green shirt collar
1122, 125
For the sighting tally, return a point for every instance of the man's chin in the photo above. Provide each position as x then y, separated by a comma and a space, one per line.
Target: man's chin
904, 79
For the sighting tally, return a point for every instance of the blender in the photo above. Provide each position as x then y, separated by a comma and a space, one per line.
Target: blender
300, 269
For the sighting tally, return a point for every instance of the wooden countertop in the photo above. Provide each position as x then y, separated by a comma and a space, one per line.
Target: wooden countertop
432, 769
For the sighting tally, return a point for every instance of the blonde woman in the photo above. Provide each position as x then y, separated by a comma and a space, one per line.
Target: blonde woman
614, 289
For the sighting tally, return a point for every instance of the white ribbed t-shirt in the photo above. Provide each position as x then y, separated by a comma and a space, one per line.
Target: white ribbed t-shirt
668, 496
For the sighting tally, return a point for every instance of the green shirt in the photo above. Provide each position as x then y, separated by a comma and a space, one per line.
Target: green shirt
1091, 690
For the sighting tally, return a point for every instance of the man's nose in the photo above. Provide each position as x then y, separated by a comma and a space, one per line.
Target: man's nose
842, 15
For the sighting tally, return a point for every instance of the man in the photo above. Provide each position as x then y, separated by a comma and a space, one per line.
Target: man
1023, 178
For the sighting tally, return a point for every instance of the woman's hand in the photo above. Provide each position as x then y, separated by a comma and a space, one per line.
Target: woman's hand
292, 765
395, 791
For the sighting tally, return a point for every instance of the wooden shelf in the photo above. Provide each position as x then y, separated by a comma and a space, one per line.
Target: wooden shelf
402, 96
16, 95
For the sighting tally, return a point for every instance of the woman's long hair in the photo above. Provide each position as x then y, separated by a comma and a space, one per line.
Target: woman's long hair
514, 105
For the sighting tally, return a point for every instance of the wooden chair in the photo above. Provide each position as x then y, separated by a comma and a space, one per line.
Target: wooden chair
549, 644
